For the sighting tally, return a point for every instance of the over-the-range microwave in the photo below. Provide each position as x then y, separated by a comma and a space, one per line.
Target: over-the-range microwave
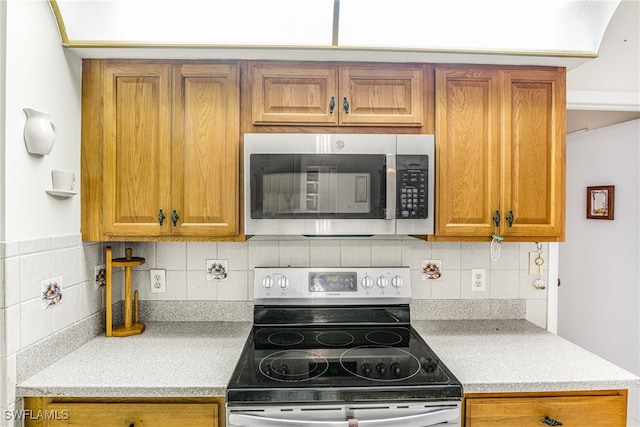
338, 184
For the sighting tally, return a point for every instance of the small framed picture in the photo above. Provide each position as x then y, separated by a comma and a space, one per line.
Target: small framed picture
600, 202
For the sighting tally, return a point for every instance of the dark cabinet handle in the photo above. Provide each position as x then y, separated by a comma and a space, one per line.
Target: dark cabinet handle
332, 104
174, 217
510, 218
345, 104
161, 217
551, 422
496, 218
132, 425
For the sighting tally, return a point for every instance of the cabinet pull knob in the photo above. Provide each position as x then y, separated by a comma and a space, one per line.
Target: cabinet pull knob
345, 104
175, 217
496, 218
132, 425
161, 217
332, 104
551, 422
510, 218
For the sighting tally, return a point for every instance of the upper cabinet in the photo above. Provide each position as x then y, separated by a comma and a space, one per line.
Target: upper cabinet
329, 95
500, 147
160, 147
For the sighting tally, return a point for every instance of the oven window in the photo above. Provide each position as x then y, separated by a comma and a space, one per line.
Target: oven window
318, 186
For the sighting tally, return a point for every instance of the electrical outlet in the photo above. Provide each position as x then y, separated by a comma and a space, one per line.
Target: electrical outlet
158, 281
478, 279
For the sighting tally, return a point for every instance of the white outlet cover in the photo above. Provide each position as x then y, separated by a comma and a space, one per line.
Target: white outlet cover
217, 269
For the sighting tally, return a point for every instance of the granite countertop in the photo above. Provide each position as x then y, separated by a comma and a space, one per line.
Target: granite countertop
168, 359
198, 358
490, 356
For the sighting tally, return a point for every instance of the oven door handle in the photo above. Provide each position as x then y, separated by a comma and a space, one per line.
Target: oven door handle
390, 211
433, 418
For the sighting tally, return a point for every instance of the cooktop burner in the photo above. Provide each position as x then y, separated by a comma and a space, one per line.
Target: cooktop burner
317, 349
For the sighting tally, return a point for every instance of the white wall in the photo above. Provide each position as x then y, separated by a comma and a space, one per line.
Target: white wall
39, 235
599, 300
41, 76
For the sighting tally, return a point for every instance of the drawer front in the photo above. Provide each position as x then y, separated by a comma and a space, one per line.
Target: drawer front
572, 411
132, 414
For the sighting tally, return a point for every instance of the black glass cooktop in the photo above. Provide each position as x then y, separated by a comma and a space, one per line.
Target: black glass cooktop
281, 363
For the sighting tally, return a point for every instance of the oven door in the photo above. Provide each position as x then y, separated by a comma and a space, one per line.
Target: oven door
342, 184
396, 415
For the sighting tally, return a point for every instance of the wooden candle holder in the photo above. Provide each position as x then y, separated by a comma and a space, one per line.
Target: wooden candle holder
129, 327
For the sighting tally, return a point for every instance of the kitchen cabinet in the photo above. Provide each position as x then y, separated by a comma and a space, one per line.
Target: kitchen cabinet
588, 408
500, 147
160, 150
124, 412
337, 95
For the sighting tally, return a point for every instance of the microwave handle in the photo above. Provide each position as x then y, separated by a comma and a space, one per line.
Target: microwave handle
390, 211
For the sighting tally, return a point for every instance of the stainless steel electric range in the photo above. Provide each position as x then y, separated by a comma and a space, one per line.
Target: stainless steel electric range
334, 347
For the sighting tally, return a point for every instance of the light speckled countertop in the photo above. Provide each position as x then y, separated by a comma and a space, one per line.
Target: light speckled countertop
167, 359
197, 359
517, 356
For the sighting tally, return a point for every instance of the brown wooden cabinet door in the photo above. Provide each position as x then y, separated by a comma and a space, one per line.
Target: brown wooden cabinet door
294, 94
136, 414
467, 151
136, 158
533, 134
205, 161
381, 96
571, 411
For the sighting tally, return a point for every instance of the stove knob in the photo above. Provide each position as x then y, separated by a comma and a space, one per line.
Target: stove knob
397, 282
283, 282
366, 369
381, 368
383, 282
367, 282
395, 368
267, 282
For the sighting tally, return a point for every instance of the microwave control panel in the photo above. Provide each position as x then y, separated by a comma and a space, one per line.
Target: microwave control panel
412, 186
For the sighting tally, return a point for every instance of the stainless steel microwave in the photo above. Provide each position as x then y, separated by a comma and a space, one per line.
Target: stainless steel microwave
338, 184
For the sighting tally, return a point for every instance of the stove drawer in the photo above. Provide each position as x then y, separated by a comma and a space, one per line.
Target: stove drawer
579, 409
123, 412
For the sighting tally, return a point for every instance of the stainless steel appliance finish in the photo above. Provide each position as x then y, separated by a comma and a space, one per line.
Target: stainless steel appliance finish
334, 347
338, 184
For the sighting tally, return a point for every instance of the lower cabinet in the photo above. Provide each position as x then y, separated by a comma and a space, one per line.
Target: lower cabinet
124, 412
607, 408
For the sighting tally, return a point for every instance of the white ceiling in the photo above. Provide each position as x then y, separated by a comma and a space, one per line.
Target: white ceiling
606, 90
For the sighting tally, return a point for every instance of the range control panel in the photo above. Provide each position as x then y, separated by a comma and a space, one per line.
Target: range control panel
331, 286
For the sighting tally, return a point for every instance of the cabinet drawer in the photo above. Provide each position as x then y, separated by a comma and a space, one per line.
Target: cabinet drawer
132, 414
572, 411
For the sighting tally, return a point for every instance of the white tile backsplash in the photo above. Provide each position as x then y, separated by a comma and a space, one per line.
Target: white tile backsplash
198, 253
263, 253
355, 252
176, 286
199, 288
171, 256
509, 258
414, 251
33, 269
449, 253
386, 252
235, 253
294, 253
324, 253
475, 255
